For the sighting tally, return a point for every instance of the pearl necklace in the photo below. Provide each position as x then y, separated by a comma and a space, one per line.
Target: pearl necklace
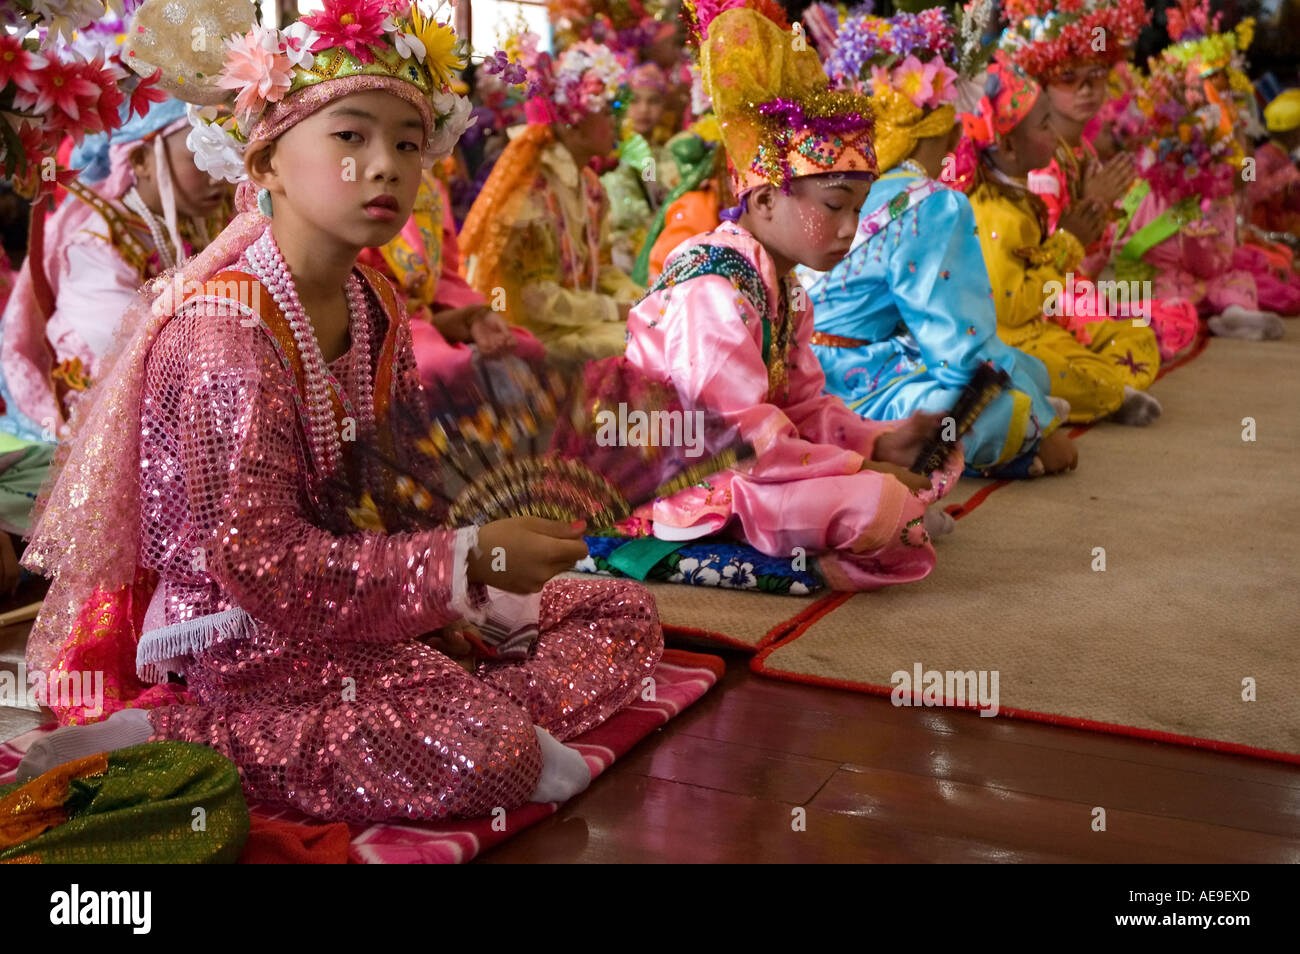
267, 264
137, 205
913, 166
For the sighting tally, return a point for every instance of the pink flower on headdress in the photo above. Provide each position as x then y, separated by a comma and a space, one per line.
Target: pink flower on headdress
61, 84
945, 85
880, 77
355, 25
16, 63
915, 79
253, 67
146, 92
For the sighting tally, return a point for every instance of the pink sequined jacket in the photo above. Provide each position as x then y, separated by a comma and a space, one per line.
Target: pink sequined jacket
232, 508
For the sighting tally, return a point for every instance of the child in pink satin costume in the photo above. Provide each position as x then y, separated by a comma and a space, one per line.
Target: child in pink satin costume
728, 325
450, 319
204, 528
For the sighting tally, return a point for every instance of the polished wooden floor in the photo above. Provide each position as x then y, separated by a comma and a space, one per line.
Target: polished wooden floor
735, 777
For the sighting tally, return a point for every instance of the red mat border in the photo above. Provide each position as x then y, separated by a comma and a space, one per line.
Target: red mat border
1194, 351
823, 604
831, 603
826, 607
776, 632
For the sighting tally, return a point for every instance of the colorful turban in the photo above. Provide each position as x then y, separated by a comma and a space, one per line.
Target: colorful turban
1009, 95
900, 125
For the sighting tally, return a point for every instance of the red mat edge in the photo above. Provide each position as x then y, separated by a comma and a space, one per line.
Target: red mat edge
1030, 715
824, 607
957, 511
773, 634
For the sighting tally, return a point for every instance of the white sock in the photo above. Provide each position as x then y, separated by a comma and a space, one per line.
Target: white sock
1061, 406
564, 772
937, 522
1138, 410
1238, 322
123, 728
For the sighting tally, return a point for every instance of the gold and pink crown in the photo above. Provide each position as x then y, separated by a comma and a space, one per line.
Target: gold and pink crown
778, 116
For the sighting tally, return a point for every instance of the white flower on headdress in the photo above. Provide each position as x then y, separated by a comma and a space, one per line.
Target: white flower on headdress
216, 151
299, 38
454, 112
409, 45
66, 17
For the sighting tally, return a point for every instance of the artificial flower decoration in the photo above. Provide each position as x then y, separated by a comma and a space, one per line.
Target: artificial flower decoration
438, 41
61, 76
909, 53
145, 93
1044, 37
374, 40
17, 65
352, 25
916, 80
299, 38
257, 68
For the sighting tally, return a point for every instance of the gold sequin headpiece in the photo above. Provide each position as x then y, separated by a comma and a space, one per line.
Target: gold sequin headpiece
778, 116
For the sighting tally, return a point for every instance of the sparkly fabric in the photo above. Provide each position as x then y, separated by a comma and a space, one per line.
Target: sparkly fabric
86, 531
415, 736
294, 109
778, 117
230, 513
133, 806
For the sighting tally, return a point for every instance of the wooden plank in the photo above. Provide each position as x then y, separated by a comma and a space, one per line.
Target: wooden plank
1033, 823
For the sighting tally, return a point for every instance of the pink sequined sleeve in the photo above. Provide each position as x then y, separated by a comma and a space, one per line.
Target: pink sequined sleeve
245, 476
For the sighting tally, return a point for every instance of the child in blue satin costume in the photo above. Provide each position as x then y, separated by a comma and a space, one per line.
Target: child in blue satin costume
903, 321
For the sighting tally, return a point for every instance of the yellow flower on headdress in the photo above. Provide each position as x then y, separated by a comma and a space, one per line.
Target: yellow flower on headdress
440, 56
1245, 33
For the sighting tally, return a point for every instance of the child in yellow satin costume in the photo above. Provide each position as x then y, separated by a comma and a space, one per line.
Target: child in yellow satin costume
1102, 370
536, 242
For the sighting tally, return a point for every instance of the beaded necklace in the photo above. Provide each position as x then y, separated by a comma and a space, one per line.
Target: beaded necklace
268, 265
136, 204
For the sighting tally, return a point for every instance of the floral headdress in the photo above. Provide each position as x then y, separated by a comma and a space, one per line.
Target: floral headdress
51, 88
778, 115
276, 78
1044, 37
624, 26
903, 63
1202, 49
1189, 150
587, 79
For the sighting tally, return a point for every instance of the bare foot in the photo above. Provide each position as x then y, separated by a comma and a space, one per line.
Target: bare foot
1057, 453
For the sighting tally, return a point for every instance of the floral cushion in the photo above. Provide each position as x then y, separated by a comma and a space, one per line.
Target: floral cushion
711, 561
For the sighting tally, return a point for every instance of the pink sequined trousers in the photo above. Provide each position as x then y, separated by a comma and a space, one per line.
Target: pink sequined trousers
351, 731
